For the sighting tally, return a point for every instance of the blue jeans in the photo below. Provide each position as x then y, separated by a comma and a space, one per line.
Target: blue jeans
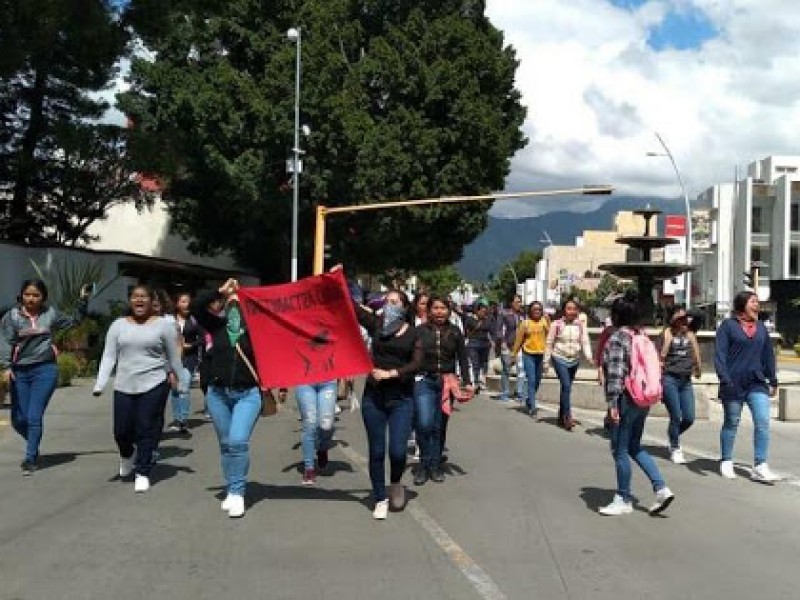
626, 441
317, 405
428, 419
387, 407
506, 360
234, 413
31, 390
759, 409
532, 364
566, 375
679, 400
138, 421
181, 398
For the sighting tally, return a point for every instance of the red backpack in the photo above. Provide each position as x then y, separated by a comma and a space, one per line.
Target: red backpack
643, 381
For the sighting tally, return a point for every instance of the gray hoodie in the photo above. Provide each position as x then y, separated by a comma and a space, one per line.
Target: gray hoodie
29, 341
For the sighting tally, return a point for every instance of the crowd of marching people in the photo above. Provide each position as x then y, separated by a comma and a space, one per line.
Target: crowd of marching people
427, 355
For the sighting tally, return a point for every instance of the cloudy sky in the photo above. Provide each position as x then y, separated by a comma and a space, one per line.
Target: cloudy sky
718, 79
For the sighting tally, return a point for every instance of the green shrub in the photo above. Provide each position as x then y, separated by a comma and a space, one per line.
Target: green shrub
68, 368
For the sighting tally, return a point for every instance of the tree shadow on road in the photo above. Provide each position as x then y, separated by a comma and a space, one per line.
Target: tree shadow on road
334, 466
659, 451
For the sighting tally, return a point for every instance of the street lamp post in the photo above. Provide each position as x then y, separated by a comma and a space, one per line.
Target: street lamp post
294, 35
689, 260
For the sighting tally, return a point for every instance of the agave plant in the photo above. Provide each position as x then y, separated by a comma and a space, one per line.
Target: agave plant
65, 279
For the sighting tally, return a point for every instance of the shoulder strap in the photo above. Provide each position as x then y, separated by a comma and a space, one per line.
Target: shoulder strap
248, 363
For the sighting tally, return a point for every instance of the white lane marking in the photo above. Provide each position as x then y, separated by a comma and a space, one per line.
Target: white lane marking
478, 578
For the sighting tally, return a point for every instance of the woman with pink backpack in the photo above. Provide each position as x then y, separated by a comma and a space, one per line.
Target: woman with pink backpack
566, 339
626, 414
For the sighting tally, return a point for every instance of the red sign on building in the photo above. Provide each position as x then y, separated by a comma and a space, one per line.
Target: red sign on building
675, 226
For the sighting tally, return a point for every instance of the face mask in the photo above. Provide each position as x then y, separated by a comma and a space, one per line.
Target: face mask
392, 319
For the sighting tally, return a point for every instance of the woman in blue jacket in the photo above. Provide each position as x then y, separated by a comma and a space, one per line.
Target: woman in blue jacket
745, 362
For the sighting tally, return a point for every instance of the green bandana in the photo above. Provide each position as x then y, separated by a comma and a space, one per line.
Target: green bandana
234, 327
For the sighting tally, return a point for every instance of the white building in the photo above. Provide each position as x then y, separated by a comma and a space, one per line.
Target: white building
753, 220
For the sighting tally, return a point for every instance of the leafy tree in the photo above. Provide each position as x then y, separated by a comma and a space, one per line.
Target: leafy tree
60, 169
610, 284
440, 281
504, 284
404, 100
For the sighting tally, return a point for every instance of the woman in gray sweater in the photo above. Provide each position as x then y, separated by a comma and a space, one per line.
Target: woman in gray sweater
144, 349
28, 360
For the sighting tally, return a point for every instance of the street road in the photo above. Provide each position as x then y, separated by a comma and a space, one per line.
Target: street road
516, 517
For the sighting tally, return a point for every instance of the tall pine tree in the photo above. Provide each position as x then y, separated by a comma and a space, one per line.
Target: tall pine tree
60, 169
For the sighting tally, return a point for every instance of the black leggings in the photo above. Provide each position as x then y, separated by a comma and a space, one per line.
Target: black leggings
138, 420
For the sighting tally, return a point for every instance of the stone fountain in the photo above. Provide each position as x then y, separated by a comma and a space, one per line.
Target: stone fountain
643, 269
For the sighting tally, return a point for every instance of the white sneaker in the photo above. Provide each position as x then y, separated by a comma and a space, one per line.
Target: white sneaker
762, 473
226, 504
381, 510
676, 456
617, 507
664, 498
141, 484
126, 465
726, 469
235, 506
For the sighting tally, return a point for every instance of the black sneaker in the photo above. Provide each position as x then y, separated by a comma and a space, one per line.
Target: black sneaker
28, 467
420, 476
436, 474
322, 459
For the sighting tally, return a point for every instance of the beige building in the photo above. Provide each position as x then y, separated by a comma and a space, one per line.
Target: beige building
567, 266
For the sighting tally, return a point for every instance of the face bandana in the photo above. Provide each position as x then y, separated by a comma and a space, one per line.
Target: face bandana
392, 320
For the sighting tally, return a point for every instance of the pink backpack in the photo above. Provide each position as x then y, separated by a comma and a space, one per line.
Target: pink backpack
643, 382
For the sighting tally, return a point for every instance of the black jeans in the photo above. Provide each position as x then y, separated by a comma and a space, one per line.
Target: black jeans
138, 420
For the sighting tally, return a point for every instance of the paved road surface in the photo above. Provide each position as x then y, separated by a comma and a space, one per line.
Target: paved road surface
515, 519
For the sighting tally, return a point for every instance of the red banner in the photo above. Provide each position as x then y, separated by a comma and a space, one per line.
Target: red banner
304, 332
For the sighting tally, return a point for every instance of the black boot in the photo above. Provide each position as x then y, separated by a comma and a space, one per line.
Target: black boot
436, 474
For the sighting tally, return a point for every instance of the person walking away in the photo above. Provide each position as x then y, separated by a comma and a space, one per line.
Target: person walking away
233, 397
443, 348
143, 349
745, 363
387, 405
28, 360
628, 418
531, 339
506, 334
566, 340
191, 338
680, 359
317, 404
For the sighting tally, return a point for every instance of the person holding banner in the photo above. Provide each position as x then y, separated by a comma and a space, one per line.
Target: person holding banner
388, 400
233, 397
443, 347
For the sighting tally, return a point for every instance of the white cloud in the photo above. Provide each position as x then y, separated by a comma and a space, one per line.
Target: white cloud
596, 92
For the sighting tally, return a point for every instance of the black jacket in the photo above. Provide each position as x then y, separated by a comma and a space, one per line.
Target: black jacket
442, 348
225, 368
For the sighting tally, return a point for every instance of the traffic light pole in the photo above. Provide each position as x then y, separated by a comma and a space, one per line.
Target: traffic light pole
323, 211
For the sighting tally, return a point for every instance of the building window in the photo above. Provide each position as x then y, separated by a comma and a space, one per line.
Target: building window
757, 225
794, 215
794, 261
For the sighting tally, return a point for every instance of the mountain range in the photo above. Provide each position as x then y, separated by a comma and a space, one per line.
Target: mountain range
505, 238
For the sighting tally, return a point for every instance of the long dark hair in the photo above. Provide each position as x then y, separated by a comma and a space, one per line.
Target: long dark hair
625, 311
38, 284
531, 306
